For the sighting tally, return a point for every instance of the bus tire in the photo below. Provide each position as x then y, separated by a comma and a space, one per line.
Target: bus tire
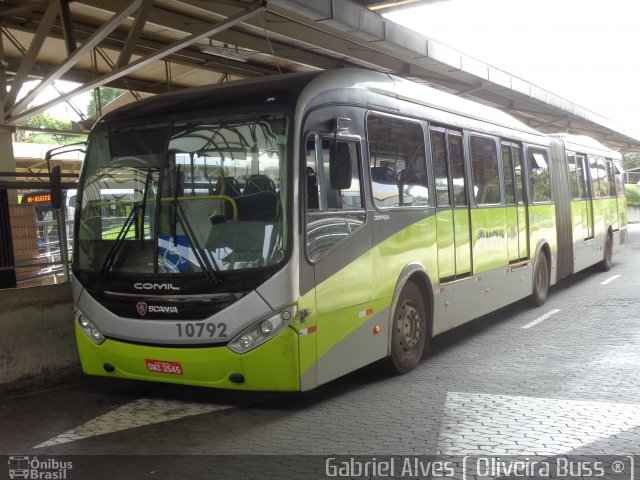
605, 263
540, 280
408, 330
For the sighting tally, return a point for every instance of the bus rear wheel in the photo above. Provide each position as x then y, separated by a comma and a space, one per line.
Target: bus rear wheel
540, 280
605, 264
409, 330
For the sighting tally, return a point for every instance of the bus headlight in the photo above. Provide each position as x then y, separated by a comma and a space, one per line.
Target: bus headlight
263, 330
89, 328
84, 322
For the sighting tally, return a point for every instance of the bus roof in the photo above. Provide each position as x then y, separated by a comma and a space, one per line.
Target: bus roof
584, 144
284, 88
290, 89
431, 97
467, 112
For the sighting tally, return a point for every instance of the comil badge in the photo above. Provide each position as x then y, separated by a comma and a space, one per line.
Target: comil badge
142, 308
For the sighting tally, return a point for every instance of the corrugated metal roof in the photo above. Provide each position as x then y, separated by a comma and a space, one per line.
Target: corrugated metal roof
271, 37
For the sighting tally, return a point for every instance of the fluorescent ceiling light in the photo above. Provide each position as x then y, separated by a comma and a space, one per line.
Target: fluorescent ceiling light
223, 52
390, 4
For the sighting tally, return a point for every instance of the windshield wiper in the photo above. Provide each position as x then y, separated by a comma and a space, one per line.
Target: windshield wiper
143, 206
108, 261
177, 215
200, 254
122, 234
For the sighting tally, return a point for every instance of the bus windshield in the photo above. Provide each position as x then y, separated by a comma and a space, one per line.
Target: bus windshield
202, 196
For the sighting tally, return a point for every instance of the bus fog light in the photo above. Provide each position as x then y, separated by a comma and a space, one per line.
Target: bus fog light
263, 330
95, 335
84, 322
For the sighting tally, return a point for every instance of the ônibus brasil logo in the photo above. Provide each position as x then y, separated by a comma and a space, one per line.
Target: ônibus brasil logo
33, 467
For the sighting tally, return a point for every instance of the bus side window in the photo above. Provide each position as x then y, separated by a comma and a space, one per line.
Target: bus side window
318, 181
332, 214
397, 162
458, 180
573, 176
593, 175
313, 202
484, 166
612, 178
351, 197
312, 190
517, 165
539, 182
439, 159
582, 176
603, 177
619, 184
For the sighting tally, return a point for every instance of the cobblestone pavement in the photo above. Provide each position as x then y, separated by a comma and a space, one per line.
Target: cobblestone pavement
567, 384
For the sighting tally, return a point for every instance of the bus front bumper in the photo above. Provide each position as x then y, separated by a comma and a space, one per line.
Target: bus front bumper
273, 365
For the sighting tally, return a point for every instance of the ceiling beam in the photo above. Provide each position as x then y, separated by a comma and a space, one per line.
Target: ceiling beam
121, 72
92, 42
21, 9
134, 34
67, 27
81, 75
238, 37
117, 40
296, 35
32, 54
84, 76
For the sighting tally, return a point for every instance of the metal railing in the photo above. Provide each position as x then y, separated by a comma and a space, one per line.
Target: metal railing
35, 239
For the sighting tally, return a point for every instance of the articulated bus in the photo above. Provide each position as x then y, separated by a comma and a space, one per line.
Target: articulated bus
275, 234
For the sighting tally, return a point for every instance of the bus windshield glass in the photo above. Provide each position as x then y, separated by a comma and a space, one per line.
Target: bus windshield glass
202, 196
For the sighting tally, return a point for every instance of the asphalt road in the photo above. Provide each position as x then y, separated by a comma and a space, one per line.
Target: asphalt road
557, 380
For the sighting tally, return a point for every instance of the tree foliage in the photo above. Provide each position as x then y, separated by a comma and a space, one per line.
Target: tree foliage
46, 121
106, 96
632, 192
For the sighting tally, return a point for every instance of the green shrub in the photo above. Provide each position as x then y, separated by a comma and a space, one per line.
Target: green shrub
633, 195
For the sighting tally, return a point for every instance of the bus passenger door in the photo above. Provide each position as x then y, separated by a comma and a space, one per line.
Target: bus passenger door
587, 204
338, 245
517, 236
453, 235
462, 234
613, 201
577, 205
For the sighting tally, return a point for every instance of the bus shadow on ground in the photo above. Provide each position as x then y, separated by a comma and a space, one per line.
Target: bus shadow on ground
482, 325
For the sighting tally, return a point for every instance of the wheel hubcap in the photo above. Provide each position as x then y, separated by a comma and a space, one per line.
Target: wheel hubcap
409, 327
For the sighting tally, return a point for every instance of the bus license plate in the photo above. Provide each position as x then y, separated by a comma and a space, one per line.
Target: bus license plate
160, 366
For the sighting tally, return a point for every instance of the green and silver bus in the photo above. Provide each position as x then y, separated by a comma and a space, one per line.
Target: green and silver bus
275, 234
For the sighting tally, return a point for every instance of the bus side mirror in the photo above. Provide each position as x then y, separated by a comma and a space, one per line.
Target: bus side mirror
340, 166
55, 185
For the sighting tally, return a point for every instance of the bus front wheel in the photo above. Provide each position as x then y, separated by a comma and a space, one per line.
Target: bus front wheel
409, 330
540, 280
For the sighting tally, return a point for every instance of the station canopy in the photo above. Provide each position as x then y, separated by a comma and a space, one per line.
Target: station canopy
146, 47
